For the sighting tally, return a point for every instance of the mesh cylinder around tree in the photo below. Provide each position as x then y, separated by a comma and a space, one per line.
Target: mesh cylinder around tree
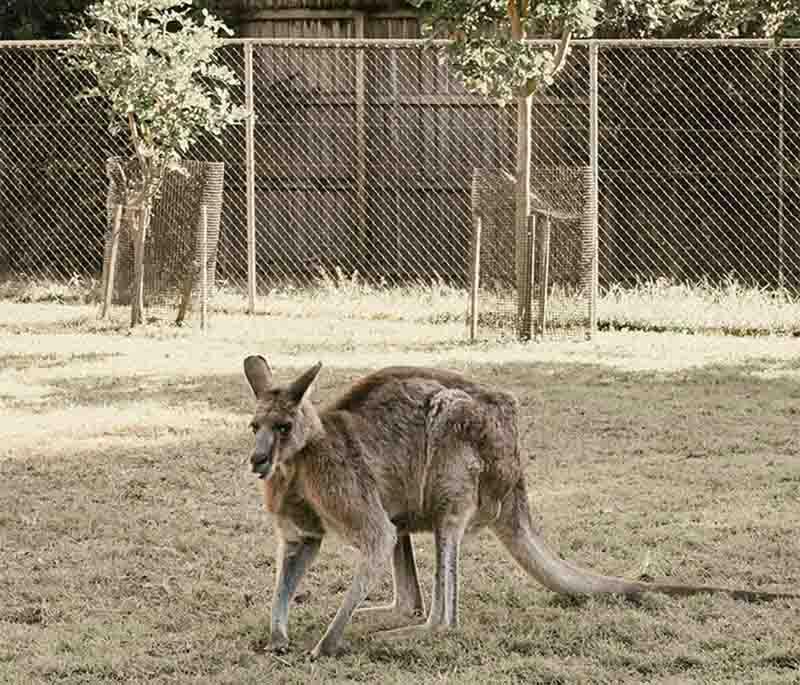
174, 245
560, 196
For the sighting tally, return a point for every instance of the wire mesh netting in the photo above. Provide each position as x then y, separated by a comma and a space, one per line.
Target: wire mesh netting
555, 281
365, 158
562, 240
52, 178
57, 202
363, 162
364, 155
183, 238
699, 157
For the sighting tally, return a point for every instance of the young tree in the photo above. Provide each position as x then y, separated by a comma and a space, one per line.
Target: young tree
155, 63
55, 19
490, 51
707, 18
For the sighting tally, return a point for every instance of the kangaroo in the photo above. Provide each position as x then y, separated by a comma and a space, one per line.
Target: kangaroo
403, 450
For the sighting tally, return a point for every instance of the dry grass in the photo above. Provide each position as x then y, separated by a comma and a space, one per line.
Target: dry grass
730, 308
657, 305
134, 548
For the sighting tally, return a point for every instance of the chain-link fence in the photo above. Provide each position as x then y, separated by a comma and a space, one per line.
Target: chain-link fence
364, 159
56, 198
362, 156
699, 156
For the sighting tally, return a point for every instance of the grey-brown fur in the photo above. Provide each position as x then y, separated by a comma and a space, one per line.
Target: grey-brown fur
404, 450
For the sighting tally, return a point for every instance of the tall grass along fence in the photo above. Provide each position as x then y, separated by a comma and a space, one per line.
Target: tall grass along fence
362, 156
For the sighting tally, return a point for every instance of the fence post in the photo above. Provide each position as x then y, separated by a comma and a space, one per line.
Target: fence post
475, 277
361, 132
251, 178
204, 272
525, 326
543, 277
781, 165
594, 188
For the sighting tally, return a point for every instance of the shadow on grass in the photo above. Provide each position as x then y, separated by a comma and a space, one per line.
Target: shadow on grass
50, 360
535, 380
154, 552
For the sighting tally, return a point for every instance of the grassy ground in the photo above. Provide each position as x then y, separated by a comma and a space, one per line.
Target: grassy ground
656, 305
133, 547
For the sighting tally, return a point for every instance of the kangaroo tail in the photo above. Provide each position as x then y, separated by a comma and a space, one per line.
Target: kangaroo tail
515, 530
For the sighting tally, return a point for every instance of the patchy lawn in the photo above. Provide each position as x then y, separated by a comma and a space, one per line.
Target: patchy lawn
133, 547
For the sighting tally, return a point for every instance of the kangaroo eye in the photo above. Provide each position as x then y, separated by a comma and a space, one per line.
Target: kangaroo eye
282, 428
254, 427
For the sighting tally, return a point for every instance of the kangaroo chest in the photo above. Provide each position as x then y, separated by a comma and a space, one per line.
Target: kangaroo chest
284, 502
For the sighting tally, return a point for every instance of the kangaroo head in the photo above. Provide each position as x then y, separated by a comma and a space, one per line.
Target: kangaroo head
284, 420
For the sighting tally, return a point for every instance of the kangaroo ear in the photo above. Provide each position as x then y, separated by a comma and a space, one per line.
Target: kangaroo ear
258, 374
300, 388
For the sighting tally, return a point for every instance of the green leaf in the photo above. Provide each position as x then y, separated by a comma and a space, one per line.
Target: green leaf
170, 82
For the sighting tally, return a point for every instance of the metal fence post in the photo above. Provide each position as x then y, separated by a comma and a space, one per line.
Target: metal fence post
251, 178
529, 278
544, 278
204, 272
594, 189
781, 165
475, 277
110, 262
361, 130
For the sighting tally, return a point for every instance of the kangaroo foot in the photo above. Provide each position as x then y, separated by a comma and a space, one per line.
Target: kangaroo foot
326, 648
410, 632
278, 644
391, 611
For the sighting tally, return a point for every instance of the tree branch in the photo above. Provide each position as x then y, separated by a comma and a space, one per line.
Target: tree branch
516, 22
561, 52
559, 60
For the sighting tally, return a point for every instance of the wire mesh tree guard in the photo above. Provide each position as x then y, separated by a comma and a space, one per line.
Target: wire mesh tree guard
559, 261
181, 248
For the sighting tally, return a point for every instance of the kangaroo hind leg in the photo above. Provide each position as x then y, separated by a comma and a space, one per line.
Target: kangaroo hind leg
451, 491
444, 601
444, 604
408, 601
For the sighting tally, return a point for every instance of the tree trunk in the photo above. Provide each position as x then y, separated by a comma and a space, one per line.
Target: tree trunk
522, 208
110, 261
522, 201
141, 222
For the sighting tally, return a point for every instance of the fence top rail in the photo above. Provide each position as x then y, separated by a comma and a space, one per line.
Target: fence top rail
583, 42
688, 42
416, 43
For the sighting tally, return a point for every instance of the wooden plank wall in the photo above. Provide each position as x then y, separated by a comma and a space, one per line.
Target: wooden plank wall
690, 174
422, 137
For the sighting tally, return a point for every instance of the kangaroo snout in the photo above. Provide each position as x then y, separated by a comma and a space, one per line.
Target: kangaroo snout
263, 454
258, 458
260, 462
